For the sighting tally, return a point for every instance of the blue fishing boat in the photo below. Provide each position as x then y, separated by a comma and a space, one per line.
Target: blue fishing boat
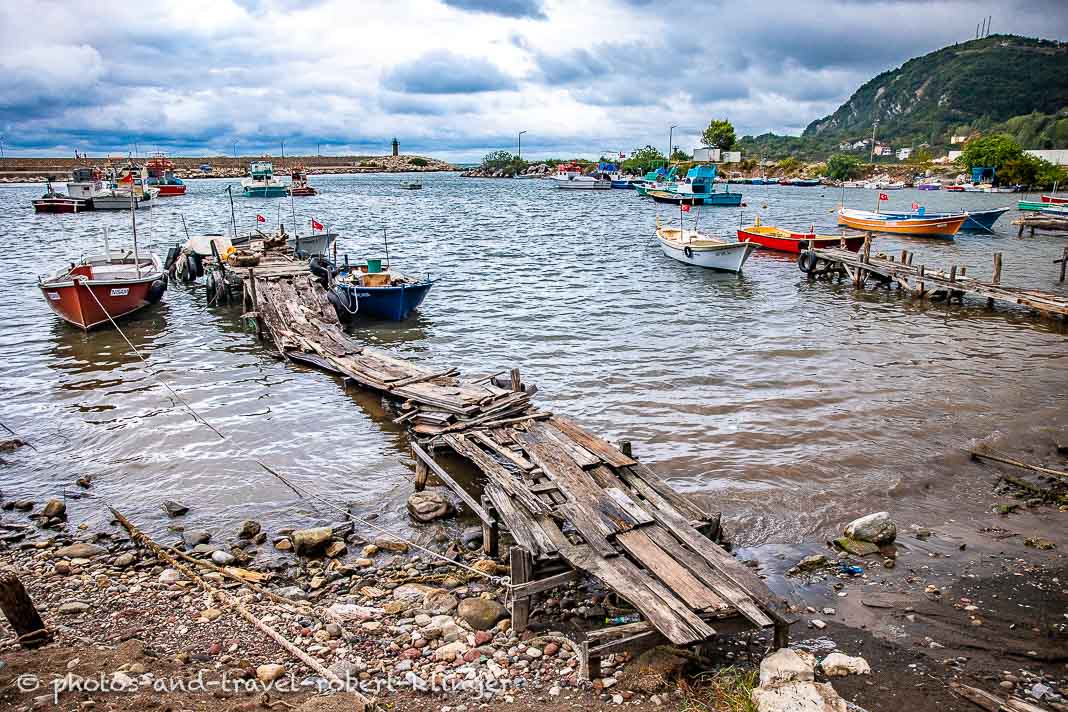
658, 179
977, 220
260, 182
366, 289
699, 188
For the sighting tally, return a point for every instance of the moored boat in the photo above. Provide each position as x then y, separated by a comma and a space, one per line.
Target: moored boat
55, 202
261, 182
695, 248
367, 290
581, 182
1031, 205
126, 190
947, 226
775, 238
1055, 199
298, 183
724, 199
161, 176
977, 219
929, 186
86, 183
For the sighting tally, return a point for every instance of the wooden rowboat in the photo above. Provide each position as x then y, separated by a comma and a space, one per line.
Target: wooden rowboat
1055, 199
946, 226
99, 289
775, 238
695, 248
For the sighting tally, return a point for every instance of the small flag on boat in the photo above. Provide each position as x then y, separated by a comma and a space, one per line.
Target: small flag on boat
685, 208
128, 178
915, 206
622, 155
260, 218
883, 196
316, 225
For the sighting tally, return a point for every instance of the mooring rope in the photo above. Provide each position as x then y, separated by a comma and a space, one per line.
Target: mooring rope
311, 494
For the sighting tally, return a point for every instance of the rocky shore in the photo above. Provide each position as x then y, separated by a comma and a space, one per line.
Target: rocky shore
888, 620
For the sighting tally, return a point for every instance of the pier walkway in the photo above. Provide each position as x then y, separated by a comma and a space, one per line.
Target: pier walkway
573, 503
860, 267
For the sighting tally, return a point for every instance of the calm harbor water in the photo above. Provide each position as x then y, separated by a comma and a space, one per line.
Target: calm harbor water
790, 405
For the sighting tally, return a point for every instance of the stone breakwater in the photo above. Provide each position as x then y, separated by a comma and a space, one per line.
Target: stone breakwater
34, 170
540, 170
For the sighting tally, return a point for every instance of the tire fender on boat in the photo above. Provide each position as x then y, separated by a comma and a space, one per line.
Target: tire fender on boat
156, 290
807, 261
689, 252
190, 268
344, 314
802, 245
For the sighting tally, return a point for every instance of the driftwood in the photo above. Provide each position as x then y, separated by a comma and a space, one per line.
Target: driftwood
20, 611
363, 704
993, 703
1016, 463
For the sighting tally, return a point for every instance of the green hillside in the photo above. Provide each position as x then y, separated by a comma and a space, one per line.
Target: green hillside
1001, 83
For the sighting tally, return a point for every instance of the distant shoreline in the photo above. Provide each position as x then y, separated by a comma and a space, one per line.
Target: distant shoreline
38, 169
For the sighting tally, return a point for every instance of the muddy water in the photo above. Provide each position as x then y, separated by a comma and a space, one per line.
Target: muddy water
787, 404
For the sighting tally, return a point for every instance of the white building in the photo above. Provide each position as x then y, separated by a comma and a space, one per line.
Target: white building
903, 154
1057, 156
706, 155
955, 140
881, 150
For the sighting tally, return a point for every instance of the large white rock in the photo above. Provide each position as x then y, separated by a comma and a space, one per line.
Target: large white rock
839, 665
877, 528
797, 697
785, 665
353, 612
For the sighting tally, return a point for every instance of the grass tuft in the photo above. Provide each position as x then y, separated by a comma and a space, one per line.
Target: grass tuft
725, 690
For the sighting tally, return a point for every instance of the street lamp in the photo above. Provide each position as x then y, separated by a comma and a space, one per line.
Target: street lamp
521, 145
670, 133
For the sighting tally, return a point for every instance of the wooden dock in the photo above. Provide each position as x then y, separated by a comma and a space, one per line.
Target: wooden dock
923, 283
574, 504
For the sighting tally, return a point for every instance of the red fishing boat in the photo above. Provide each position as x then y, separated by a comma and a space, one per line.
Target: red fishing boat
775, 238
299, 183
1055, 199
161, 176
55, 202
115, 285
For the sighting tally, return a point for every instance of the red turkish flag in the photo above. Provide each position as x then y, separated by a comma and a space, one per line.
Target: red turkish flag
685, 208
316, 225
883, 196
128, 178
915, 206
260, 218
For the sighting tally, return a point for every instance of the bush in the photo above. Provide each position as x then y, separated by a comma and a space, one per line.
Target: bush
843, 167
418, 162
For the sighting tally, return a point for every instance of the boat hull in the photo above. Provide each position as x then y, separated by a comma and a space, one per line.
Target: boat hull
1054, 200
303, 192
119, 202
715, 199
260, 191
797, 242
72, 302
390, 303
980, 220
728, 257
169, 189
584, 184
624, 184
925, 227
1032, 205
61, 205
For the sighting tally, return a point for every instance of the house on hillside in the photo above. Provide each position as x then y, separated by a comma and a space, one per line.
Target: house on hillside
903, 154
957, 140
883, 150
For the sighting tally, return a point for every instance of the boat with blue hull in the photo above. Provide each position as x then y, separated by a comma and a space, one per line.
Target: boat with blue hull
977, 219
699, 188
364, 289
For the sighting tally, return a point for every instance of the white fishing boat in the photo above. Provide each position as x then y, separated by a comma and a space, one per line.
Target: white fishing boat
696, 248
581, 182
126, 190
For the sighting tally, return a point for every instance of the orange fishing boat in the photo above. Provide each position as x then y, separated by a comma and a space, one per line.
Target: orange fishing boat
944, 226
776, 238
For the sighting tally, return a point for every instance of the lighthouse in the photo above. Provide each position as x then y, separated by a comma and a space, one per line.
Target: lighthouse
396, 146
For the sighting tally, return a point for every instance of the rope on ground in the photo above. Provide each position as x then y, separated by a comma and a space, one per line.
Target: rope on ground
226, 599
498, 580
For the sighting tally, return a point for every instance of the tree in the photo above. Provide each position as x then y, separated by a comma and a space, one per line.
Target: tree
921, 155
843, 167
990, 151
789, 165
679, 155
719, 134
647, 154
497, 159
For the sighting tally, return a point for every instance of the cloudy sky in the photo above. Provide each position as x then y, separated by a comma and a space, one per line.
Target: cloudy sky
452, 78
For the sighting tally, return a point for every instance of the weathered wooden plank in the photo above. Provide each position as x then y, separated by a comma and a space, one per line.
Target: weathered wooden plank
595, 530
496, 472
591, 442
546, 584
652, 487
670, 572
505, 452
637, 513
582, 457
516, 523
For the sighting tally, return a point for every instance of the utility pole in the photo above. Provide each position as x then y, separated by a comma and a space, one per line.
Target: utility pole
521, 145
283, 150
871, 159
671, 132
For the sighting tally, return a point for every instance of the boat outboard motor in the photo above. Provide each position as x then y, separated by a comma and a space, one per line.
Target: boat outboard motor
345, 304
323, 269
172, 258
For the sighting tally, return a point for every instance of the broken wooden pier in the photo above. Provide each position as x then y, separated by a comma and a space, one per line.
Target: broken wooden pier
574, 504
889, 271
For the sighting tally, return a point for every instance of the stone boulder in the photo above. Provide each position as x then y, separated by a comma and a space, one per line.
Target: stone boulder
785, 665
80, 550
839, 665
481, 613
439, 601
310, 541
429, 506
54, 509
174, 509
249, 529
787, 685
876, 528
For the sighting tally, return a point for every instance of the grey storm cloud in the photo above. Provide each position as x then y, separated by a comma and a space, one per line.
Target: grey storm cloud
505, 8
442, 72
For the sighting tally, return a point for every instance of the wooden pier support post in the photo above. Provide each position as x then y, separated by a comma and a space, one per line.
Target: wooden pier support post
20, 611
491, 533
255, 300
517, 383
919, 288
522, 565
625, 448
996, 279
1064, 262
421, 474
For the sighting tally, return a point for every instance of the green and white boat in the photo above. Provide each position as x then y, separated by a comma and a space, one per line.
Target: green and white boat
260, 182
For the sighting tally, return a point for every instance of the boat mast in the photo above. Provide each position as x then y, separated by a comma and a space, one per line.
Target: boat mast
133, 220
107, 248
